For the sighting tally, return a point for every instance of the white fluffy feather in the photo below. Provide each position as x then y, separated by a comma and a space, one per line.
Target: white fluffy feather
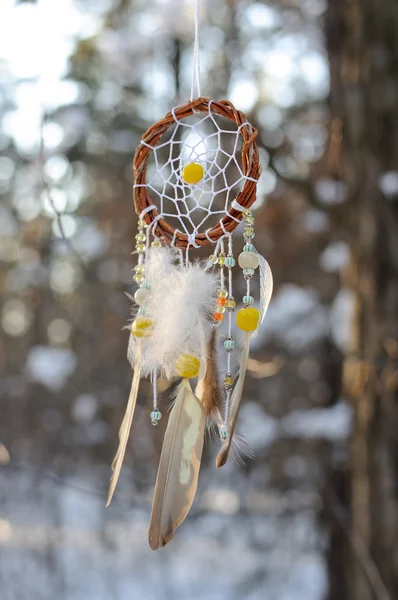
161, 262
180, 303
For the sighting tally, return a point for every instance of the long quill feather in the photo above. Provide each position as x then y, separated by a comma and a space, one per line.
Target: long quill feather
235, 404
125, 427
266, 286
179, 465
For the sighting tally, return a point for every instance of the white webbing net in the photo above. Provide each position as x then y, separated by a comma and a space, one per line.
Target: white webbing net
211, 141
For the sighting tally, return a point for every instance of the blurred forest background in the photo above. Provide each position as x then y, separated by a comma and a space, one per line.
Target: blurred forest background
315, 515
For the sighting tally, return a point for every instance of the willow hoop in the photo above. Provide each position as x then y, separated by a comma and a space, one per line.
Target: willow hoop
250, 166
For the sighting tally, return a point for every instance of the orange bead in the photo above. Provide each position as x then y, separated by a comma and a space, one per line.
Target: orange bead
221, 301
218, 316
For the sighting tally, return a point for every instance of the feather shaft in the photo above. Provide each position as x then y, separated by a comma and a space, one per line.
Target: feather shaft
235, 404
179, 465
125, 427
208, 389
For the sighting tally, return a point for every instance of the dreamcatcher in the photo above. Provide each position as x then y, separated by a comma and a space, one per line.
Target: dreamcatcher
195, 179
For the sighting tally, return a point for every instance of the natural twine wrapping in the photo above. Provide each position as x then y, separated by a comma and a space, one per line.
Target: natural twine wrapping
250, 167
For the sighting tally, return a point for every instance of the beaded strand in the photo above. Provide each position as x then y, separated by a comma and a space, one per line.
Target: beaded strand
247, 317
140, 247
222, 294
229, 343
142, 327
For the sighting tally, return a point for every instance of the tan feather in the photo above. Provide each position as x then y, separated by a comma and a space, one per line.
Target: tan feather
235, 404
125, 428
179, 466
208, 389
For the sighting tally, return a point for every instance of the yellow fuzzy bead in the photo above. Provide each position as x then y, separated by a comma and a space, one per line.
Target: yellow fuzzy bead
187, 366
247, 318
142, 327
193, 173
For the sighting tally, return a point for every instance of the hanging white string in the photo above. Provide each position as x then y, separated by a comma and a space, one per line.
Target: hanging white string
222, 275
229, 334
155, 389
196, 63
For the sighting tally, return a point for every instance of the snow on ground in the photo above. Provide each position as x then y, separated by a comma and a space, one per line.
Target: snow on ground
64, 544
51, 366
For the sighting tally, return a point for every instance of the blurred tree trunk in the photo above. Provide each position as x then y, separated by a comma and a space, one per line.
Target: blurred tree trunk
363, 52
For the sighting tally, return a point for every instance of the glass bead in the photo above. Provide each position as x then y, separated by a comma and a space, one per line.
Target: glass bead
145, 285
248, 260
140, 237
247, 318
156, 243
140, 247
247, 212
221, 260
223, 432
213, 259
139, 268
248, 232
248, 272
230, 261
187, 366
141, 296
220, 309
230, 304
229, 345
248, 299
218, 316
228, 382
193, 173
142, 327
141, 223
138, 277
156, 415
222, 293
248, 248
221, 301
249, 220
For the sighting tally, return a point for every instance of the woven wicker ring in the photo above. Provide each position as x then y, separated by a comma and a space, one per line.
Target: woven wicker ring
250, 167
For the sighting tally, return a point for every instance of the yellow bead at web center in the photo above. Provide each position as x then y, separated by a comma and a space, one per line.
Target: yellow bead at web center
192, 173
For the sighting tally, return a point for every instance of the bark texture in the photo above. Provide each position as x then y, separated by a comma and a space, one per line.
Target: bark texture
363, 51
